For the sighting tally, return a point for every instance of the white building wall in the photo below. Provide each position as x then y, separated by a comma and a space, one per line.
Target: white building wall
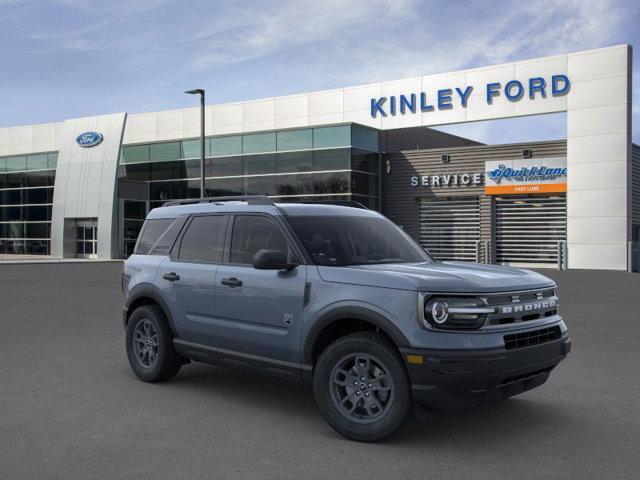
85, 185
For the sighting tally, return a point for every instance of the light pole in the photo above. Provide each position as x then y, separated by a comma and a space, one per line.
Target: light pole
200, 91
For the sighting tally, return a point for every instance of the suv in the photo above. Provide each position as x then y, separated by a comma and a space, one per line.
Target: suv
339, 297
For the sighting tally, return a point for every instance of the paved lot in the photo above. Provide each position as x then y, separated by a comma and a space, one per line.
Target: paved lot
71, 408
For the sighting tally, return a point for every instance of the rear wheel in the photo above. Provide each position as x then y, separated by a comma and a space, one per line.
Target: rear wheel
150, 345
362, 388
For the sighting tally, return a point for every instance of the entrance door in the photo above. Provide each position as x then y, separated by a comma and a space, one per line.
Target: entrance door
450, 227
528, 229
87, 239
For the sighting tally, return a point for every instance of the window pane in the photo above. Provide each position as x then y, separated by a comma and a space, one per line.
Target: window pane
37, 213
261, 185
133, 209
295, 162
16, 164
37, 230
325, 137
151, 233
164, 151
365, 161
339, 159
167, 239
3, 164
191, 148
204, 239
37, 247
223, 187
138, 171
253, 233
52, 160
168, 170
364, 138
37, 162
256, 164
135, 154
364, 184
295, 140
294, 184
222, 146
38, 179
259, 143
224, 166
331, 183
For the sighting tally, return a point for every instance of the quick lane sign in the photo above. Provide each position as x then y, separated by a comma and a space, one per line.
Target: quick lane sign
445, 99
526, 175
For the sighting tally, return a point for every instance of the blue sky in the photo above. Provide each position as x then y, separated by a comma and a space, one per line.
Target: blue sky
72, 58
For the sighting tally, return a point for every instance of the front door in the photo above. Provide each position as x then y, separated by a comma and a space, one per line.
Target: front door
187, 278
259, 312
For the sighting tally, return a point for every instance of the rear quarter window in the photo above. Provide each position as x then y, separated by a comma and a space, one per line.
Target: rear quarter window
151, 232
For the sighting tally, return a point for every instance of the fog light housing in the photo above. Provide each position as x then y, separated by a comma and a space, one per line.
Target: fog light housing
455, 312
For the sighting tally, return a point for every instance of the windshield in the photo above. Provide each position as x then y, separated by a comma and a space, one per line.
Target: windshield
355, 240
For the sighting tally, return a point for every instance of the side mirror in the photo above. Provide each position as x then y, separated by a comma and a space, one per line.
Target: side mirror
272, 260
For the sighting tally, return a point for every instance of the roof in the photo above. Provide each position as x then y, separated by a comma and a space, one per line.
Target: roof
293, 209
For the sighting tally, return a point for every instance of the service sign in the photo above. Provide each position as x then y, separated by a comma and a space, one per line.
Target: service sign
526, 175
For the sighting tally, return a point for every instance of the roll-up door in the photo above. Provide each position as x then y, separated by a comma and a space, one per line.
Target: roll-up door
528, 229
450, 228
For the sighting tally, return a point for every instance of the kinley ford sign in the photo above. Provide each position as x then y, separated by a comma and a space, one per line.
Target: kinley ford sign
445, 99
504, 177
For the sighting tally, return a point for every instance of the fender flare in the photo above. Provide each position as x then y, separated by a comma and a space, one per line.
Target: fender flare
351, 312
150, 291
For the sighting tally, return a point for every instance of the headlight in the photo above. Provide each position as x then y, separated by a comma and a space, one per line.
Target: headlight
455, 312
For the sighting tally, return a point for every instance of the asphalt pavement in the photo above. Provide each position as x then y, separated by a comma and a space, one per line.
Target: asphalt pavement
70, 408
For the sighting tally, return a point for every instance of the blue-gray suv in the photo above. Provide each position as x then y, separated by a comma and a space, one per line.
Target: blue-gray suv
340, 297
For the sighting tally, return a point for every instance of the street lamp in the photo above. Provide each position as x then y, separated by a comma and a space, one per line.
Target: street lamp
200, 91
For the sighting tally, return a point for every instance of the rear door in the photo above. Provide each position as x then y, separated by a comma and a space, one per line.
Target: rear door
259, 312
187, 277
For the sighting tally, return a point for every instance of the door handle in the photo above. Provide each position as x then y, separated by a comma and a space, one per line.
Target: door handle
172, 277
231, 282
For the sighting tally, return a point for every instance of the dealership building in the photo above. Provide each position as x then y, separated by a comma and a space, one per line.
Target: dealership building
82, 187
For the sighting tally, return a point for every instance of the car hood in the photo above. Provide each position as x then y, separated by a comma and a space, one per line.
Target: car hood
459, 277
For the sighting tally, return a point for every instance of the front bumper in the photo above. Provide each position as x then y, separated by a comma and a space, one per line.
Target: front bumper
454, 379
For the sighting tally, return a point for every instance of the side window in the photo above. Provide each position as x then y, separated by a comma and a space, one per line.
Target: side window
253, 233
168, 238
151, 232
204, 239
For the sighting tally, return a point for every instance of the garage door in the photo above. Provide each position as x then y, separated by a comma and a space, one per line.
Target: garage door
528, 229
450, 228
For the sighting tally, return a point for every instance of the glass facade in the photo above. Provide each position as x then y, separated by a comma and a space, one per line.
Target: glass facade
26, 197
310, 164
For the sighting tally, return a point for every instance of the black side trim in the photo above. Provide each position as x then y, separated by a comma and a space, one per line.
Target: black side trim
240, 360
358, 313
148, 290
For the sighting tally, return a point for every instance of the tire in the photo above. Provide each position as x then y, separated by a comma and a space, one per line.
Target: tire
152, 357
384, 403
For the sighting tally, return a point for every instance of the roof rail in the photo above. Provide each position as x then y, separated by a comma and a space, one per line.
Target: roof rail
341, 203
249, 199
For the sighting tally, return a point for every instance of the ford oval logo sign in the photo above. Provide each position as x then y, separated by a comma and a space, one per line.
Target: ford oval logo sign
89, 139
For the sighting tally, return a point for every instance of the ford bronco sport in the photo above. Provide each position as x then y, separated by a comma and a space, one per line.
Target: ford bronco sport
340, 297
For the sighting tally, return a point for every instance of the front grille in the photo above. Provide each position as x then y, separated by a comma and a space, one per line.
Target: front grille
522, 306
535, 337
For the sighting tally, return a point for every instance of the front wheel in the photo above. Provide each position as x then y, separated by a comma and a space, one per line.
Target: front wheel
362, 387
